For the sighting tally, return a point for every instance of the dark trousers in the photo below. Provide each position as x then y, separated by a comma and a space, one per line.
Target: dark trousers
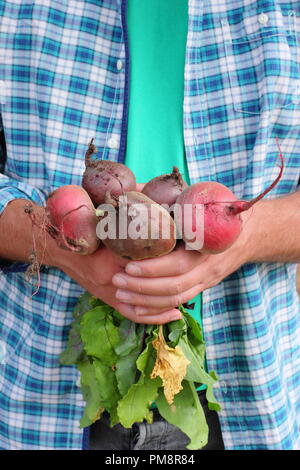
159, 435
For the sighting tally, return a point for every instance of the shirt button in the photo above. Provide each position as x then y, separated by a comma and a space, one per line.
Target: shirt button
263, 19
119, 64
113, 143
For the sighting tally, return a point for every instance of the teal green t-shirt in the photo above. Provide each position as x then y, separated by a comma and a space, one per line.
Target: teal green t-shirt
157, 32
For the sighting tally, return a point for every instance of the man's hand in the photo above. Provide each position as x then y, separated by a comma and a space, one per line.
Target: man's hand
270, 234
163, 283
94, 273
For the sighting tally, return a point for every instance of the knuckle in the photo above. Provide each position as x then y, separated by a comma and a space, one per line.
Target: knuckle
138, 287
176, 287
143, 300
103, 281
177, 300
215, 272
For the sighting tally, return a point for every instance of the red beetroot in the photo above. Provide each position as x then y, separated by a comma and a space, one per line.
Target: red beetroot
221, 223
143, 228
71, 219
165, 189
101, 176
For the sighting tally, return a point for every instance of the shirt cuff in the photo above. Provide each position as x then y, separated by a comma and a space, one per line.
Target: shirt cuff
11, 189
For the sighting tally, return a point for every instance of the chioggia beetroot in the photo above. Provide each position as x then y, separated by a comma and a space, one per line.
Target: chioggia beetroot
72, 220
135, 227
165, 189
220, 221
101, 176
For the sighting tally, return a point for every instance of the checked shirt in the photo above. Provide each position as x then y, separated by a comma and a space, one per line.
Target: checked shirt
64, 78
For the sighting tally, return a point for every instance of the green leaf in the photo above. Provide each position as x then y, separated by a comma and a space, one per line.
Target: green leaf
131, 336
150, 329
212, 402
116, 374
176, 329
194, 330
187, 414
117, 316
196, 371
113, 417
84, 303
126, 370
128, 350
100, 335
107, 385
74, 351
91, 394
135, 405
146, 359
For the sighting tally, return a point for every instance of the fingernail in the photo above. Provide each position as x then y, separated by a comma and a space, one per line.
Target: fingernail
123, 295
133, 269
119, 280
141, 310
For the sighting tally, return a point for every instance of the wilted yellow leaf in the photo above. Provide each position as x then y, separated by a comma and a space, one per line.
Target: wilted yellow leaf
98, 415
170, 366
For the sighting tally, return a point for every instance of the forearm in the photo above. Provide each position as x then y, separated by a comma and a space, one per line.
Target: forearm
271, 231
19, 237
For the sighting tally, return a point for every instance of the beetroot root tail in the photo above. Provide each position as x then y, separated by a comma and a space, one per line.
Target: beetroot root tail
241, 206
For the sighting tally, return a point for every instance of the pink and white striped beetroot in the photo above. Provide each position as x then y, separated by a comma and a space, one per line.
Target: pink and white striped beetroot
72, 220
221, 223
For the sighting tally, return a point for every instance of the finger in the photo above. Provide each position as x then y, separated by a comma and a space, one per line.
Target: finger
177, 262
150, 319
157, 286
146, 311
151, 301
134, 311
131, 310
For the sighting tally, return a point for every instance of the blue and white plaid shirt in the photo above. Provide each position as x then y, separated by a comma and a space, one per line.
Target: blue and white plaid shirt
63, 80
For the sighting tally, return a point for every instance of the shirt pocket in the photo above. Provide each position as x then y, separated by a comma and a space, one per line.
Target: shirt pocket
262, 61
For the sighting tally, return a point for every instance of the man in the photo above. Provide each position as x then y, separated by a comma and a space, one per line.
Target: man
65, 79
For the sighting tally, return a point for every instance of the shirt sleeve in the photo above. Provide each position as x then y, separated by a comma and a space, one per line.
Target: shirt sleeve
11, 189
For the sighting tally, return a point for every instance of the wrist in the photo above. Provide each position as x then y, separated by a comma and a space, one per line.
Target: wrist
245, 247
255, 241
48, 253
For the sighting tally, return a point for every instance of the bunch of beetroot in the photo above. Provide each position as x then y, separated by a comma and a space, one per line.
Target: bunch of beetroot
74, 212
